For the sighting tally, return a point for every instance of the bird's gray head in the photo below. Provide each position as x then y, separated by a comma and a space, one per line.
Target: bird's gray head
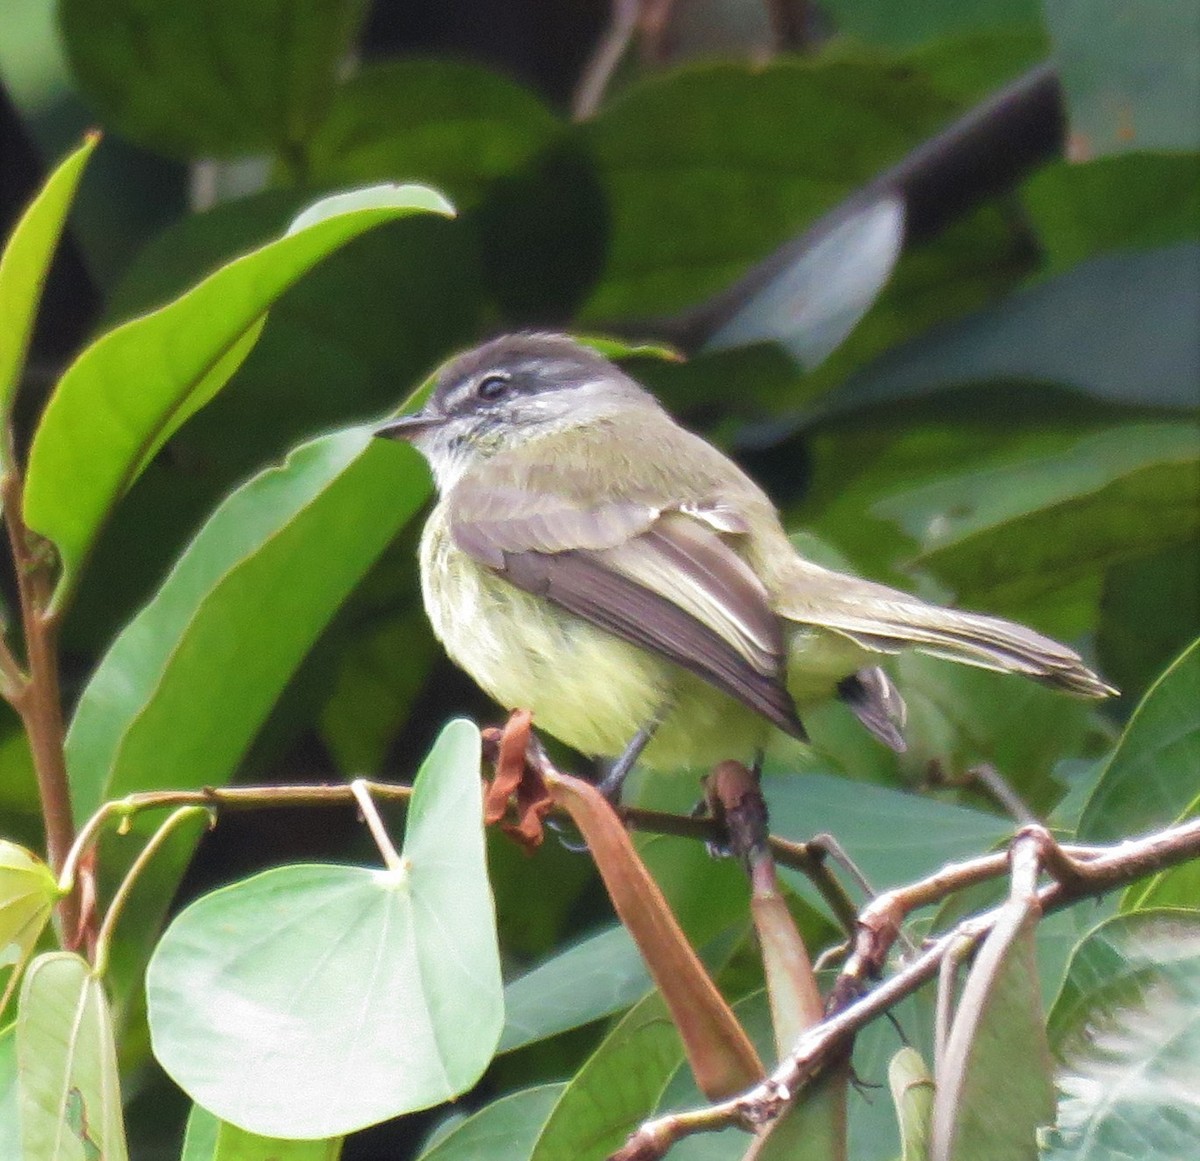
507, 392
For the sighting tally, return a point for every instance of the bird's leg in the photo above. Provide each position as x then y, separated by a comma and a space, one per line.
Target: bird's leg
614, 780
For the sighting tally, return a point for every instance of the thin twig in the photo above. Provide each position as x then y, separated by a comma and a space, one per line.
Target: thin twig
612, 46
1106, 868
160, 836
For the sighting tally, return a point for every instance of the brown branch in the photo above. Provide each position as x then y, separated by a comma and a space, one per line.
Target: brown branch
1076, 877
36, 697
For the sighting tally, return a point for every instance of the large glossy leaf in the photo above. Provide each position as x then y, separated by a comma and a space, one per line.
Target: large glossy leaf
1151, 777
505, 1130
450, 123
1126, 1032
707, 169
133, 387
1130, 73
1133, 201
1006, 534
24, 264
183, 689
70, 1100
1120, 327
208, 1138
310, 1001
211, 77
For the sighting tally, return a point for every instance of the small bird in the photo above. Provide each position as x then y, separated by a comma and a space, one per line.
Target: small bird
592, 561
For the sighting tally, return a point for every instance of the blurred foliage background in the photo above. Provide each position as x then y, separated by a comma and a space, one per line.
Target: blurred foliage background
963, 355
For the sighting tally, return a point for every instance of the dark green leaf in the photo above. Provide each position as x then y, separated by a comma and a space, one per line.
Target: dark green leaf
1126, 1032
1151, 777
1119, 327
133, 387
1011, 532
211, 77
885, 23
310, 1001
183, 689
1135, 201
449, 123
505, 1130
709, 168
1130, 72
70, 1100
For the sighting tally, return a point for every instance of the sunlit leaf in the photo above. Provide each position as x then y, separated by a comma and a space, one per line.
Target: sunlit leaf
28, 893
310, 1001
24, 264
1126, 1032
1151, 777
70, 1102
133, 387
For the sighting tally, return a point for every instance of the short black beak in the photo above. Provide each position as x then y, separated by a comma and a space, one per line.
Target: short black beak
408, 426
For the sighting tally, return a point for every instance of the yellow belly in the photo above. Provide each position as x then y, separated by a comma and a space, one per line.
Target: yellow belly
584, 686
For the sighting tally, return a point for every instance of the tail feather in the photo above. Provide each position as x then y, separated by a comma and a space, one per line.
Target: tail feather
884, 620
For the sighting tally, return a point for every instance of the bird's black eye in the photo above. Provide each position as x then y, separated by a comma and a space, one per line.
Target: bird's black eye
493, 385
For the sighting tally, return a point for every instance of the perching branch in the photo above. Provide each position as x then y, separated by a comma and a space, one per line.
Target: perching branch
1076, 873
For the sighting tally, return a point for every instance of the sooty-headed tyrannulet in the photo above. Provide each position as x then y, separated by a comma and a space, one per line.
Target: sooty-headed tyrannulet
591, 560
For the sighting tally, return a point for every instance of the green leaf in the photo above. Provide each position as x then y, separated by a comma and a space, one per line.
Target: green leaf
1130, 74
450, 123
1150, 612
600, 975
1150, 779
1133, 201
28, 893
208, 1138
994, 1087
813, 303
183, 689
882, 22
875, 825
1126, 1032
709, 168
214, 78
24, 264
912, 1095
1007, 534
10, 1124
1118, 327
616, 1088
504, 1130
70, 1102
310, 1001
126, 394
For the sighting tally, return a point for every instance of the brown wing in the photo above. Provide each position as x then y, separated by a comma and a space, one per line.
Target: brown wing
664, 581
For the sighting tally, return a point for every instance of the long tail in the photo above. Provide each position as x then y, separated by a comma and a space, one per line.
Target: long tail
885, 620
